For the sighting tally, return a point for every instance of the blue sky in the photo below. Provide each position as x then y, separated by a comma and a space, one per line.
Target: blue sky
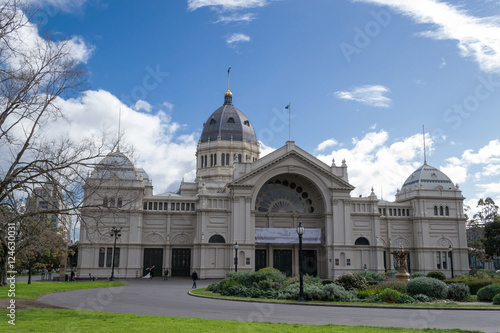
362, 78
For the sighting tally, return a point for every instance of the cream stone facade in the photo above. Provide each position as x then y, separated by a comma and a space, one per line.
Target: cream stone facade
257, 203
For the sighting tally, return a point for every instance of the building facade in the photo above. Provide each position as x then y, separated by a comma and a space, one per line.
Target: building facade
238, 197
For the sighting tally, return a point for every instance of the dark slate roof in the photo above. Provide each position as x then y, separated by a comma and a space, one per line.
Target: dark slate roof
428, 178
220, 123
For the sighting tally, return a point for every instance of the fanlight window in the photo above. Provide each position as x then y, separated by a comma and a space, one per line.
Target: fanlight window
217, 239
283, 197
361, 241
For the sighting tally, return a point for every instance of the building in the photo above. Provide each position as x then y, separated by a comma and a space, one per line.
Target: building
238, 197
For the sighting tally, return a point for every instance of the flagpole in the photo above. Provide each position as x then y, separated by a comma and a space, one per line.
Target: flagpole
289, 122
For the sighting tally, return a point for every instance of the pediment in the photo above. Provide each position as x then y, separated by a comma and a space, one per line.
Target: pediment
294, 160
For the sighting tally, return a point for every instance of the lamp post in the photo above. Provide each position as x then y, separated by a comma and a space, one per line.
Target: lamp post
300, 232
236, 257
451, 260
114, 233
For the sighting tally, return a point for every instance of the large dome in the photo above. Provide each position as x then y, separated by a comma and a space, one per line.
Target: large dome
229, 123
428, 178
116, 166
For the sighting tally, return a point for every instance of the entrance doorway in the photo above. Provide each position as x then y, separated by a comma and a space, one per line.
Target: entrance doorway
282, 261
260, 259
153, 257
310, 262
181, 262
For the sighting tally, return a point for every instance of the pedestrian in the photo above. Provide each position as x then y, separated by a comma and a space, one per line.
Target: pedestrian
72, 276
151, 271
194, 276
165, 277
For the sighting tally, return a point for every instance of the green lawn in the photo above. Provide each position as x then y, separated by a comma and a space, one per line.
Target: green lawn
205, 292
35, 289
49, 320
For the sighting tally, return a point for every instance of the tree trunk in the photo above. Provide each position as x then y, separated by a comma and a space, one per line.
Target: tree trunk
4, 268
29, 275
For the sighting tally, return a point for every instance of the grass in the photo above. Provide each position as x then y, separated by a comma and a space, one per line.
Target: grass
205, 292
35, 289
49, 320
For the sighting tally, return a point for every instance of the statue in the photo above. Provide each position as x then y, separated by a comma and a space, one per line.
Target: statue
400, 257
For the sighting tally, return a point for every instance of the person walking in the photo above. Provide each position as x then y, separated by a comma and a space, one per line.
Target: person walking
151, 271
165, 276
194, 276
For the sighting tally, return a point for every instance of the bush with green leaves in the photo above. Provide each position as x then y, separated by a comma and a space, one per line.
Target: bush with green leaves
458, 292
399, 286
248, 278
327, 281
350, 281
436, 275
391, 274
334, 292
389, 295
422, 298
488, 293
496, 299
417, 275
365, 294
406, 299
427, 286
372, 276
266, 285
476, 285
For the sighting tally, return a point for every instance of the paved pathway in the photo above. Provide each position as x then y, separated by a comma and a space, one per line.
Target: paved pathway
170, 298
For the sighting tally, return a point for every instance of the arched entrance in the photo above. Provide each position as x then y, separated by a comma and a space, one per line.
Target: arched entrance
280, 204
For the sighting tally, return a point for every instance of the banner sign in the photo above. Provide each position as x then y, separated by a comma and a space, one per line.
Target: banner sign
287, 236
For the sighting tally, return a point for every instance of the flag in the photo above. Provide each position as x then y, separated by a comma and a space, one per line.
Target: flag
228, 70
288, 106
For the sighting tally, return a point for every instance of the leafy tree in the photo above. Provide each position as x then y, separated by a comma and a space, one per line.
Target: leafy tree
484, 231
492, 238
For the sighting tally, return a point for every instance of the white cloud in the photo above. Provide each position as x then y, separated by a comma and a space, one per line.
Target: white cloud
477, 38
487, 154
264, 150
489, 189
375, 162
142, 105
236, 38
168, 105
154, 136
248, 17
491, 170
325, 144
226, 4
372, 95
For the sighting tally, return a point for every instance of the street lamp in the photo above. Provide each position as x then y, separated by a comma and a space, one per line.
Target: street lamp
451, 260
236, 257
114, 233
300, 232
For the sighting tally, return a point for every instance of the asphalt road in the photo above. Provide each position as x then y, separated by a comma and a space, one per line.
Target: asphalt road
170, 298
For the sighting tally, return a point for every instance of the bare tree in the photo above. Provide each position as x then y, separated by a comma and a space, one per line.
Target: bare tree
34, 74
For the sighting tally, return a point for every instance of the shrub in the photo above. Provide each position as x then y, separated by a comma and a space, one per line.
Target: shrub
422, 298
436, 275
474, 286
399, 286
417, 275
248, 278
351, 281
365, 294
266, 285
427, 286
389, 295
372, 276
390, 274
327, 281
334, 292
496, 299
458, 292
268, 269
406, 299
488, 293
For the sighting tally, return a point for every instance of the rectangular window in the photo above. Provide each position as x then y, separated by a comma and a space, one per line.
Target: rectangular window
160, 206
150, 206
145, 206
119, 203
385, 212
247, 261
348, 262
337, 261
399, 211
188, 207
192, 207
445, 264
183, 206
43, 204
109, 255
407, 212
215, 159
390, 211
112, 202
404, 212
117, 257
438, 260
156, 206
101, 256
177, 206
172, 206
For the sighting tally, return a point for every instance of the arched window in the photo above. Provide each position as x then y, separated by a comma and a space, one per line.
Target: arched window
206, 161
202, 161
283, 196
361, 241
217, 239
246, 122
212, 121
239, 158
435, 210
222, 160
119, 204
447, 211
441, 210
230, 120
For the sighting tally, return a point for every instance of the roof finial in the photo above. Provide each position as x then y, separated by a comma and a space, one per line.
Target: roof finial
425, 155
228, 96
119, 126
